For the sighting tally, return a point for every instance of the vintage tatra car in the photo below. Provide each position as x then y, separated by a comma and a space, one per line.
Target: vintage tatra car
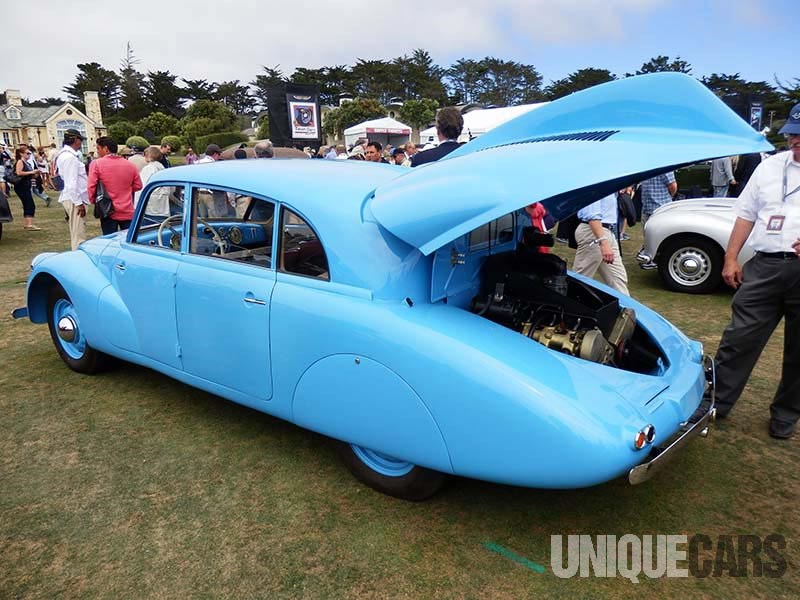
686, 242
406, 313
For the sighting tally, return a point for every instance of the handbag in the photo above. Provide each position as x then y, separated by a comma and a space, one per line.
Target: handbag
11, 174
103, 206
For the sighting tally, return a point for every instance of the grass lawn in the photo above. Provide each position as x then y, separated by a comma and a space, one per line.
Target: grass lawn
131, 485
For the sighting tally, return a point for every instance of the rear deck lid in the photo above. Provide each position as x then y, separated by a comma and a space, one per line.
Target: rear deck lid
566, 155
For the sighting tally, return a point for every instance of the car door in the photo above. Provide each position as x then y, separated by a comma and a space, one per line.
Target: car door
143, 275
223, 289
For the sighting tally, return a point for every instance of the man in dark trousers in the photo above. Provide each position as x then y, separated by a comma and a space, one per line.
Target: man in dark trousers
768, 285
449, 124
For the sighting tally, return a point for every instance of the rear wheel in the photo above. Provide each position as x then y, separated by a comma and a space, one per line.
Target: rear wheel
692, 265
392, 476
68, 336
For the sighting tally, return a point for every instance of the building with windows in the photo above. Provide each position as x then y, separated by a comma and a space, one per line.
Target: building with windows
42, 126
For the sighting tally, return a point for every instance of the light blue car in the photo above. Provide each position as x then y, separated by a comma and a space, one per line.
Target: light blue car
407, 314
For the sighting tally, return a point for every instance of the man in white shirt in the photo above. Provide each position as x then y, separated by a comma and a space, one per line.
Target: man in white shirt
768, 212
74, 197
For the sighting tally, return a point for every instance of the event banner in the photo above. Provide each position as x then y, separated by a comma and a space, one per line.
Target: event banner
303, 116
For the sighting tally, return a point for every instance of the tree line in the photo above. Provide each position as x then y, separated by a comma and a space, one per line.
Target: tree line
159, 102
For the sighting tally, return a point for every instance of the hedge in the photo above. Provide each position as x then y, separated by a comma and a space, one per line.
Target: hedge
138, 141
220, 139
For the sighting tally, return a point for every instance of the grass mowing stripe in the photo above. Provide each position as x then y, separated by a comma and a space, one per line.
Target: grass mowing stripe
513, 556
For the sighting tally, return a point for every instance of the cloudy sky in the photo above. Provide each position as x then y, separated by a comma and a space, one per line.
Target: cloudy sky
225, 40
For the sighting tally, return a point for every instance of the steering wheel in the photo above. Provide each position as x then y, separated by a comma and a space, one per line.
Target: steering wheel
214, 236
176, 218
179, 217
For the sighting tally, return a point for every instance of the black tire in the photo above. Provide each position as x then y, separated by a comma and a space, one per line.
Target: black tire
80, 356
1, 231
417, 484
690, 264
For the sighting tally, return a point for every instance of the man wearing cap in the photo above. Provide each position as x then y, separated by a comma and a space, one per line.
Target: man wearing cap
137, 158
398, 156
768, 287
74, 198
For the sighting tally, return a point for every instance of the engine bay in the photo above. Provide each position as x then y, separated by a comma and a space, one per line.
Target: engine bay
531, 293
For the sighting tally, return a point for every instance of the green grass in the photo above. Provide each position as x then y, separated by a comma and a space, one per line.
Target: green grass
131, 485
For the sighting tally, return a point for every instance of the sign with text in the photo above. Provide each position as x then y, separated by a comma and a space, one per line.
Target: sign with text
303, 117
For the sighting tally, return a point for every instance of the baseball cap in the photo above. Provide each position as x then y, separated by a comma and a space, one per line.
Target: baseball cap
792, 125
213, 149
74, 133
398, 152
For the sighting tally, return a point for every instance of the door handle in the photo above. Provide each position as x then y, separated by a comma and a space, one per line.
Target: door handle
119, 267
256, 301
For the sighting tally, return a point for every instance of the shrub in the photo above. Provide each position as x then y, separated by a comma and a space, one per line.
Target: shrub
121, 131
156, 125
136, 140
220, 139
263, 128
174, 141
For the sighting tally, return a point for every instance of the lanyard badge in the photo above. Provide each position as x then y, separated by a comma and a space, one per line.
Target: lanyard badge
786, 179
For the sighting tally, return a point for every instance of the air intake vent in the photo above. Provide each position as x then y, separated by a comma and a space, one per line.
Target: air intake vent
581, 136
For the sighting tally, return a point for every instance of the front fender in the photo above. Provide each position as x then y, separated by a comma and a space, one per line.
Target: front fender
77, 274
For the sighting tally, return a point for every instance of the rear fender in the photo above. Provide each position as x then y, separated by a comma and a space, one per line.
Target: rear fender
358, 400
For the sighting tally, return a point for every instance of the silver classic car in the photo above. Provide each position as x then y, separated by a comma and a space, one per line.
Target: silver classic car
685, 240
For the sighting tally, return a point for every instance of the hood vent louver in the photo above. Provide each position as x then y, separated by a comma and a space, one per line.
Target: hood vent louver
580, 136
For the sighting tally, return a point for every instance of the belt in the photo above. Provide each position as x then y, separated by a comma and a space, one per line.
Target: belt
781, 255
609, 226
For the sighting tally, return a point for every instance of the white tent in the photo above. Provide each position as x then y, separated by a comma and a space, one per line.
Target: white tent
385, 131
478, 122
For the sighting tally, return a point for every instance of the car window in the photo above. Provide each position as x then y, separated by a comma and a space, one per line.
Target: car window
162, 218
502, 231
301, 250
232, 226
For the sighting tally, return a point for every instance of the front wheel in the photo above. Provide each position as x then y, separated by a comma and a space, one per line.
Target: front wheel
390, 475
692, 265
68, 336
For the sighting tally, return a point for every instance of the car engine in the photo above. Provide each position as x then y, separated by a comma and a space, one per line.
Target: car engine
531, 293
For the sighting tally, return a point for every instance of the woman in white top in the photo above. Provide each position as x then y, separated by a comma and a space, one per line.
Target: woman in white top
158, 204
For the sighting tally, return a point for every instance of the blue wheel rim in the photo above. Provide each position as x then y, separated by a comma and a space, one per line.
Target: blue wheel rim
76, 348
382, 463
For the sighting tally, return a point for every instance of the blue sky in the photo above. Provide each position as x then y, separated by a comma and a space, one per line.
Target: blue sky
224, 39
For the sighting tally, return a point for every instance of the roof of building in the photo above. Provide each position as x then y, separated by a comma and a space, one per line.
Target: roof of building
35, 116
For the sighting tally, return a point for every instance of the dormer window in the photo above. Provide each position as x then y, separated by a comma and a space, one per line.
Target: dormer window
13, 114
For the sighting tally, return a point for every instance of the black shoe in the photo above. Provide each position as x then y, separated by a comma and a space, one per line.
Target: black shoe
781, 430
722, 412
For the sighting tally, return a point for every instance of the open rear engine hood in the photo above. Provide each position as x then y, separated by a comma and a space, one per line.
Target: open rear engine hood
566, 155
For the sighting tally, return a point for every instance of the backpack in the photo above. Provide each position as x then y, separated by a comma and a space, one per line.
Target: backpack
55, 178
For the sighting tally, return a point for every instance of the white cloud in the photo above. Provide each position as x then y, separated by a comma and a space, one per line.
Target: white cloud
226, 40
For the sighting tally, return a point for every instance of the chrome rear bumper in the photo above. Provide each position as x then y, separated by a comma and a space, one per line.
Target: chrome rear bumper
696, 425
